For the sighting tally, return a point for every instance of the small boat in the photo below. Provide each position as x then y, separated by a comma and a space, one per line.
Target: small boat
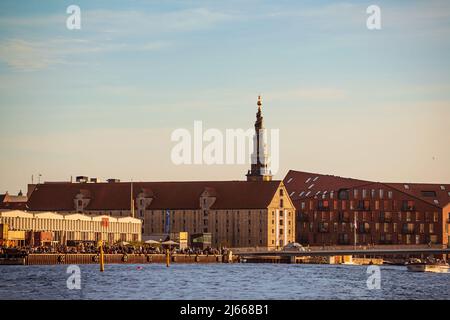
428, 266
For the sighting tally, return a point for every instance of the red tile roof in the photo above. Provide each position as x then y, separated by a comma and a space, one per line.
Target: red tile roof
297, 182
166, 195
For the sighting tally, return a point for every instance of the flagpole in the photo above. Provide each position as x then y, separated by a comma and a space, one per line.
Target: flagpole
354, 231
132, 200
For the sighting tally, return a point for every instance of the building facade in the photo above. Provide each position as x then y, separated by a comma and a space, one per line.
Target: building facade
342, 211
13, 202
236, 213
73, 227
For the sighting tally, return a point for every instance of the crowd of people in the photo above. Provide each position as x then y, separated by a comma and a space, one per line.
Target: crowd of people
91, 248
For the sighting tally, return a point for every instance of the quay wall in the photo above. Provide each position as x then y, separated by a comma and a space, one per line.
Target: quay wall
50, 259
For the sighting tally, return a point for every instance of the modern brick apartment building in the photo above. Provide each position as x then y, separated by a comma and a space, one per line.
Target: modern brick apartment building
329, 207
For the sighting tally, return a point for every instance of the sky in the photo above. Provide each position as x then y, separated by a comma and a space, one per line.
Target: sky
102, 101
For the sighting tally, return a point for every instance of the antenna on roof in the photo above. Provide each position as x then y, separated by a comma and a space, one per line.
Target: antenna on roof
131, 199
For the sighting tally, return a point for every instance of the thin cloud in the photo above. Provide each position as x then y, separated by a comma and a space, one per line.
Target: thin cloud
310, 94
25, 55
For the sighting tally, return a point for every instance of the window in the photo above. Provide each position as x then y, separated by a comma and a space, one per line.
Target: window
311, 186
355, 193
281, 192
343, 194
442, 187
406, 186
301, 193
291, 194
307, 180
381, 193
303, 205
289, 180
436, 201
364, 193
372, 193
431, 228
281, 203
428, 193
315, 179
390, 194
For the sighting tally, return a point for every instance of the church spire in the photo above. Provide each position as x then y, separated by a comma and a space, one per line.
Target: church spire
259, 168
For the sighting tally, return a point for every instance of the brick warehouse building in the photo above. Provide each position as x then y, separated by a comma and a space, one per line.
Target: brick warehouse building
237, 213
328, 207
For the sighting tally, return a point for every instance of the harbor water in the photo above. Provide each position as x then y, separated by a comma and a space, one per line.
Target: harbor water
220, 282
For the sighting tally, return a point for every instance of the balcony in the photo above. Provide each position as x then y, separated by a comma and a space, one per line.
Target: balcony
323, 228
343, 241
343, 218
303, 218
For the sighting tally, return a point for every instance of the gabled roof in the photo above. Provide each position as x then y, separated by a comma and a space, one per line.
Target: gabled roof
165, 195
297, 182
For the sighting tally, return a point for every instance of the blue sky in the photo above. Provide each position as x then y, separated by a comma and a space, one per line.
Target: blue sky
102, 101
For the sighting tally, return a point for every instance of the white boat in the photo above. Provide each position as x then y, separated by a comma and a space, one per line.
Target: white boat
438, 267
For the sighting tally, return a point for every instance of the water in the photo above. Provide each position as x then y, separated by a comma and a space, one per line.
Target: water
220, 282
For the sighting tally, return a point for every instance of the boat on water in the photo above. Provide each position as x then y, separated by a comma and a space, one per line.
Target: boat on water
436, 266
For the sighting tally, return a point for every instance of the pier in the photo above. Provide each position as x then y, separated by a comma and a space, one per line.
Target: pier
356, 256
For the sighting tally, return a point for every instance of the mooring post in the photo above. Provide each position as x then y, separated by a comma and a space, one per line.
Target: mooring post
167, 258
101, 260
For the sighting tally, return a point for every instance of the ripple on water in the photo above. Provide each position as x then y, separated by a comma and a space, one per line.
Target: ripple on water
220, 281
